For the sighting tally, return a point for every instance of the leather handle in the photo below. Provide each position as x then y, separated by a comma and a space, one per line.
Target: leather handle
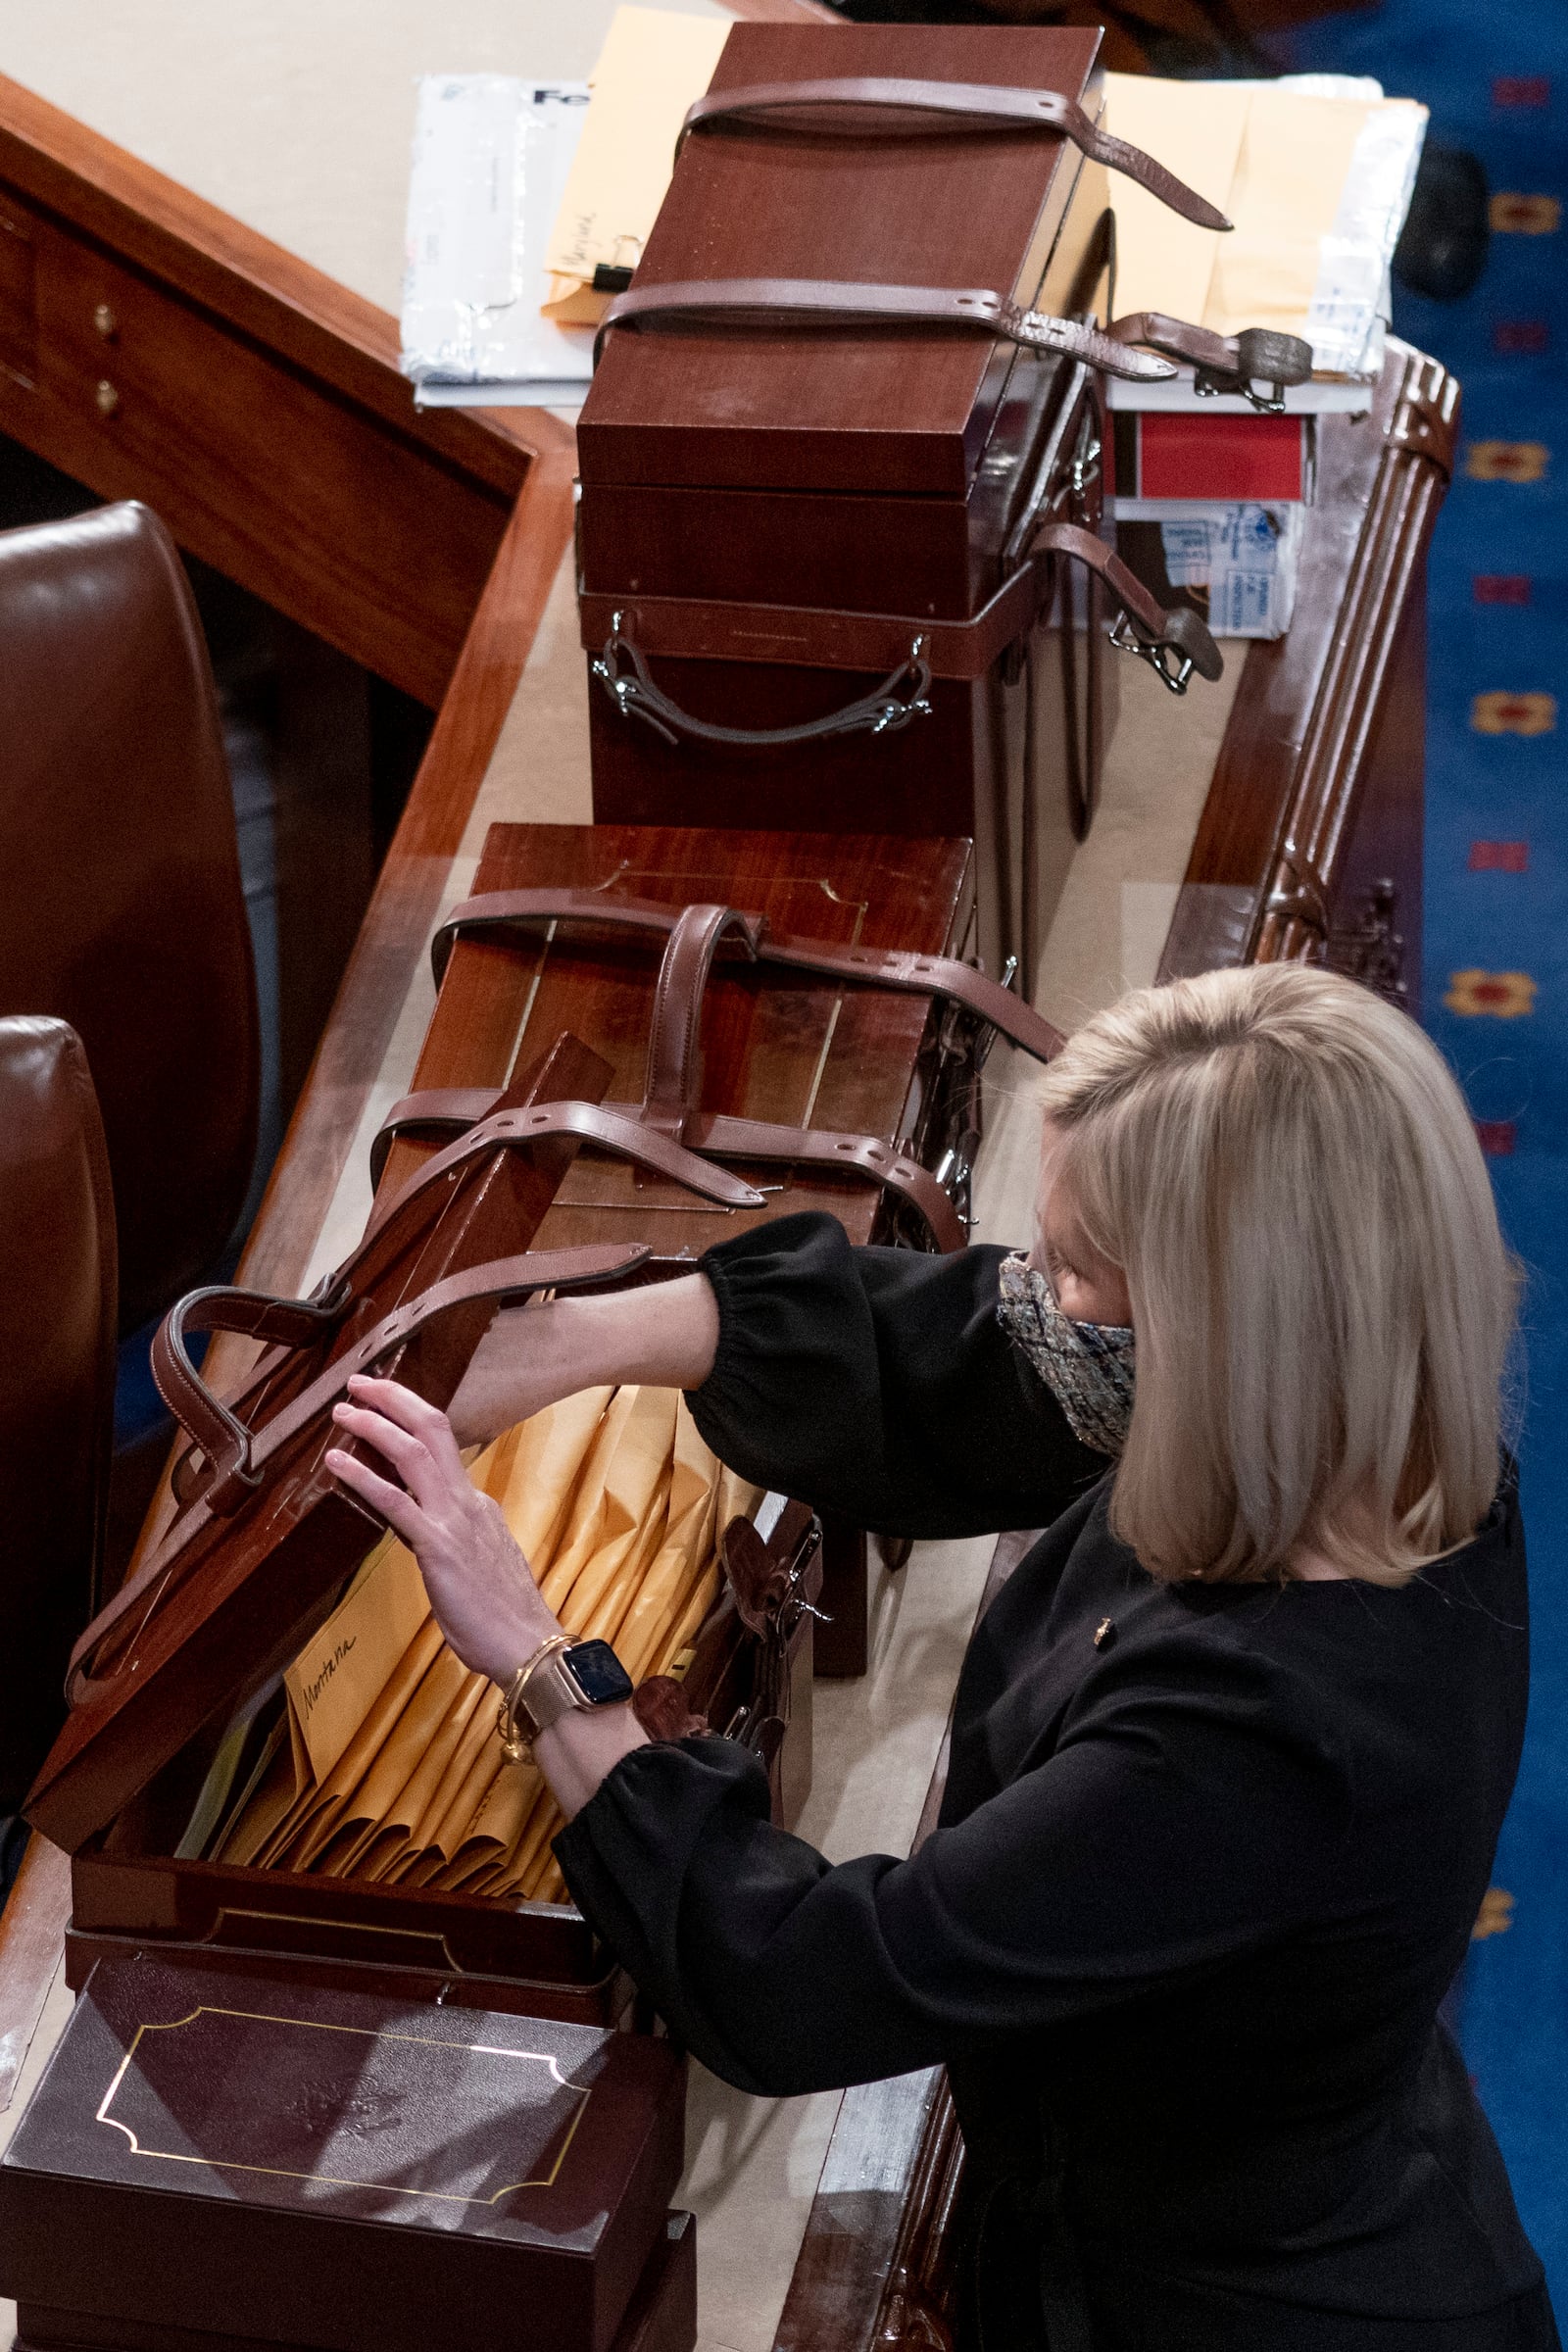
673, 1088
511, 910
220, 1437
609, 1129
979, 106
1150, 631
1224, 363
499, 1279
624, 675
898, 968
806, 302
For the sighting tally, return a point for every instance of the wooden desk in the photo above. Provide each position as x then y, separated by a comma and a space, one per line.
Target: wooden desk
153, 348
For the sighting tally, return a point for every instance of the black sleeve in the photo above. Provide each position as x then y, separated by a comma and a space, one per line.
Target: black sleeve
1122, 1864
879, 1383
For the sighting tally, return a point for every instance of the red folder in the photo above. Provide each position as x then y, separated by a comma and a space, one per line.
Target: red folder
1220, 456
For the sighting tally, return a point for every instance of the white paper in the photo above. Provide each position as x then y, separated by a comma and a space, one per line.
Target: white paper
491, 156
1350, 301
1332, 397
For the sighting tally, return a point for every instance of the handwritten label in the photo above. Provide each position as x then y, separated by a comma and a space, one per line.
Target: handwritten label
337, 1679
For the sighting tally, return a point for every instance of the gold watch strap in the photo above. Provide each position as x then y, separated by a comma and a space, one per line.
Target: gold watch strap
516, 1743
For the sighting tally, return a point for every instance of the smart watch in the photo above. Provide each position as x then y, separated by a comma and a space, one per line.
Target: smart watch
560, 1677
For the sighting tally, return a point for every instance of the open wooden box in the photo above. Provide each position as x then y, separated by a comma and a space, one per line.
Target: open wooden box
131, 1893
229, 1596
776, 1045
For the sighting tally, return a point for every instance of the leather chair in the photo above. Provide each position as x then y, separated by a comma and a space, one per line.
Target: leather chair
121, 904
57, 1377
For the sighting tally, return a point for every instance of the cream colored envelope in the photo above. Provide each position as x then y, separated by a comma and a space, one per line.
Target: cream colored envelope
339, 1675
436, 1839
653, 62
376, 1806
535, 1471
688, 1543
619, 1485
426, 1791
313, 1815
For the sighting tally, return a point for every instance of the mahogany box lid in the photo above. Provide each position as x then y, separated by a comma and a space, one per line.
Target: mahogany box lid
848, 408
338, 2171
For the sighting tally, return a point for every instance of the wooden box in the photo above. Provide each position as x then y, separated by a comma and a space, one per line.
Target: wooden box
776, 1045
205, 2164
777, 512
159, 1729
133, 1892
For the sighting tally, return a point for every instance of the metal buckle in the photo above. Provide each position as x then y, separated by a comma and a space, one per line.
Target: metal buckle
1085, 471
895, 715
1210, 383
605, 667
1124, 636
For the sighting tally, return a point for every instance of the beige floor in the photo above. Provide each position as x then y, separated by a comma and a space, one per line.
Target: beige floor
295, 115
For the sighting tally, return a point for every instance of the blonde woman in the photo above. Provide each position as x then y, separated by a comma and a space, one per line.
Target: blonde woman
1232, 1747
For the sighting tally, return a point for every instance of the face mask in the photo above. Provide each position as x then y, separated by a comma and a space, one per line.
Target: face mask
1088, 1367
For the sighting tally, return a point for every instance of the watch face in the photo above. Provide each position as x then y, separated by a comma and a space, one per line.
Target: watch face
597, 1673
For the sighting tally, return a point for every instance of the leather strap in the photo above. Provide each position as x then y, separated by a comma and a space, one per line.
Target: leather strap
452, 1110
898, 968
866, 1157
626, 677
978, 105
713, 631
615, 1131
501, 1279
671, 1105
1236, 363
222, 1438
842, 302
1152, 631
809, 636
673, 1085
238, 1455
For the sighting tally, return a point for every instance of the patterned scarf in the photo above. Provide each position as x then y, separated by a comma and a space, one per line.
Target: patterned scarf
1088, 1367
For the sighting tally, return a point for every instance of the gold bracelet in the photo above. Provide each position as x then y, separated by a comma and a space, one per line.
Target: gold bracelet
516, 1745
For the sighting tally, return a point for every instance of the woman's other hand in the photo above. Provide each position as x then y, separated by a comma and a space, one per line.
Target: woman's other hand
480, 1586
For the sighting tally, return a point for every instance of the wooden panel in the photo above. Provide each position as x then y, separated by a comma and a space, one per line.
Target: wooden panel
1376, 933
31, 1925
1266, 863
152, 349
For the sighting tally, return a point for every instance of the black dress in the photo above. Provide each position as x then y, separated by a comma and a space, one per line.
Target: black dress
1195, 1895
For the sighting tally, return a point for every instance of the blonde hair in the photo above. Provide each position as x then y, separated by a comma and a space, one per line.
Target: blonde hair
1284, 1170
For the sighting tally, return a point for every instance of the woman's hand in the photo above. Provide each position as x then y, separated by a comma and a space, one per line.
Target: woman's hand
480, 1586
